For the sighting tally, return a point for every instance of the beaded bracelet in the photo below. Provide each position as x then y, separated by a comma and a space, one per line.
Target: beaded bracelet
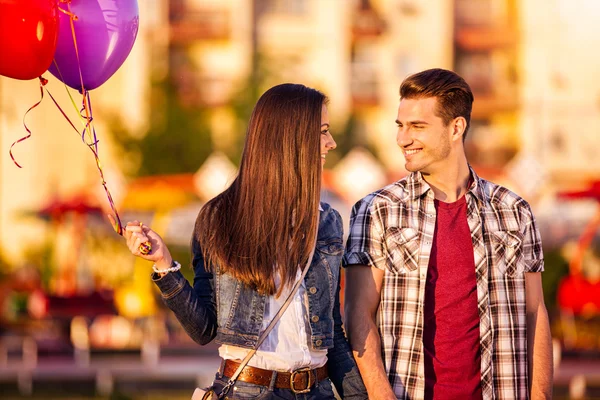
175, 266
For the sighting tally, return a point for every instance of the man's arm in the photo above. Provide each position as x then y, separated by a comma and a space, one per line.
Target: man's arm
363, 288
539, 339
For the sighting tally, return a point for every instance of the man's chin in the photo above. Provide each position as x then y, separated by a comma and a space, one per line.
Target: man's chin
411, 167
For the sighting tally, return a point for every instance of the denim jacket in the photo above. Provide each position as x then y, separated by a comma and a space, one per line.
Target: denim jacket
220, 307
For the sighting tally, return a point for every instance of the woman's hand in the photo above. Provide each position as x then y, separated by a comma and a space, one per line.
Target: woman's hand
135, 233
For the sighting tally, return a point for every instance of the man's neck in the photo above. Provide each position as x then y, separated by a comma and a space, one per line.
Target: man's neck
451, 182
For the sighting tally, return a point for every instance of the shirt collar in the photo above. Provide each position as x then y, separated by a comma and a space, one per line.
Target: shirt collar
476, 188
417, 186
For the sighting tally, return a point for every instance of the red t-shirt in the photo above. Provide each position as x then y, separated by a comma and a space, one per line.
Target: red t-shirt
451, 319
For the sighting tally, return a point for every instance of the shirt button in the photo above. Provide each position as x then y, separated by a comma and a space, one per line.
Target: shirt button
319, 342
315, 318
312, 290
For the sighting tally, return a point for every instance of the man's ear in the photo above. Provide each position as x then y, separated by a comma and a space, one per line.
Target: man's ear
458, 125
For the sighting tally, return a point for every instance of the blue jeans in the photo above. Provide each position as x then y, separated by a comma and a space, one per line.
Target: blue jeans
243, 390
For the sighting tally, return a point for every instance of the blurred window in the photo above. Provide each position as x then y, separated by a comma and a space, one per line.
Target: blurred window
294, 7
364, 76
481, 12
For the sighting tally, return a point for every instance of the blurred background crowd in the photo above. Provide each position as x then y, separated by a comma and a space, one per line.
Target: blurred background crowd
76, 308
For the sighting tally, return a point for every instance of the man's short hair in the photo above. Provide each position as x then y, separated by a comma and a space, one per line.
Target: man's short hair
454, 95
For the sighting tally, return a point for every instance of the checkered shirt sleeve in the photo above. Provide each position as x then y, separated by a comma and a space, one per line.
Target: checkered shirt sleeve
366, 242
533, 255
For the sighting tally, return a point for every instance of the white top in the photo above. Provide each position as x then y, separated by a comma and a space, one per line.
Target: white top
287, 347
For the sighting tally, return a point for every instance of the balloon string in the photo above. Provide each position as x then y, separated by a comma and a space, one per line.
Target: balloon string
43, 82
85, 113
78, 110
89, 103
73, 17
89, 127
83, 91
67, 12
81, 118
62, 112
93, 148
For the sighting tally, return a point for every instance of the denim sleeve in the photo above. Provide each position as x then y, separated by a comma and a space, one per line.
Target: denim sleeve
341, 365
195, 308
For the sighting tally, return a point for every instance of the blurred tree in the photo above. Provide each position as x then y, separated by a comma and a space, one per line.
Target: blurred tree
352, 134
242, 104
42, 257
178, 140
179, 137
4, 267
555, 268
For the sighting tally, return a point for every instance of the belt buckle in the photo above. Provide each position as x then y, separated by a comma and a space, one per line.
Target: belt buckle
309, 383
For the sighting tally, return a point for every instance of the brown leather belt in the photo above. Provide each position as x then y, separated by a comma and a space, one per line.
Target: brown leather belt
299, 381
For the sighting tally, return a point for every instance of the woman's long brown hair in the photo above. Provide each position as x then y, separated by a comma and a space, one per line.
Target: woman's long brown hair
264, 221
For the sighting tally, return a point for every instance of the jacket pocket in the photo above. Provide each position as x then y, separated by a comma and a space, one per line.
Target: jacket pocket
333, 247
507, 248
403, 247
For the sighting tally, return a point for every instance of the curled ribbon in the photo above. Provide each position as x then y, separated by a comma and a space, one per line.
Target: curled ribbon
43, 83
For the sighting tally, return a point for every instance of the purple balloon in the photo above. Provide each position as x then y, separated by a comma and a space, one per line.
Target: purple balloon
105, 31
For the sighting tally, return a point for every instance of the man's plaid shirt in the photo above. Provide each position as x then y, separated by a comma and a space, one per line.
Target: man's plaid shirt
392, 229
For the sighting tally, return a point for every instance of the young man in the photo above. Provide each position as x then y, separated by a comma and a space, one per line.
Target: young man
443, 293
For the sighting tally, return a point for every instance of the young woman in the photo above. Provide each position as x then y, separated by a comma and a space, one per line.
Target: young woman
250, 244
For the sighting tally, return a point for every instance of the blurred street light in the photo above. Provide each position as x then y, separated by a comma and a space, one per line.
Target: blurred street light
358, 174
214, 176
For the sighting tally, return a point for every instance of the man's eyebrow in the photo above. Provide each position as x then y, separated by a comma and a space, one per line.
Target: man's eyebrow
414, 122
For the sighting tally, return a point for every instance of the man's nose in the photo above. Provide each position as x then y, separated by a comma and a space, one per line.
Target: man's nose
403, 137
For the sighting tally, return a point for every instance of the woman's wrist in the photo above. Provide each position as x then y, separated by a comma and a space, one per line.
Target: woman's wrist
164, 263
175, 266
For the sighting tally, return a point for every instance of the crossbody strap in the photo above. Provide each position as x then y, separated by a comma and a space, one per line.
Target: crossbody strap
275, 319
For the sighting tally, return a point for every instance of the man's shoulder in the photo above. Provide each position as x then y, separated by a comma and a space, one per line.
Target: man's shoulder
394, 193
500, 196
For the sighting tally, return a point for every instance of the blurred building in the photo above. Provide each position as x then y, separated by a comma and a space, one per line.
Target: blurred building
391, 40
209, 48
560, 88
356, 52
536, 107
486, 54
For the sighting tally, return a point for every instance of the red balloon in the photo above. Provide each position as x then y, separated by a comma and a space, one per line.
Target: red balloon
28, 35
